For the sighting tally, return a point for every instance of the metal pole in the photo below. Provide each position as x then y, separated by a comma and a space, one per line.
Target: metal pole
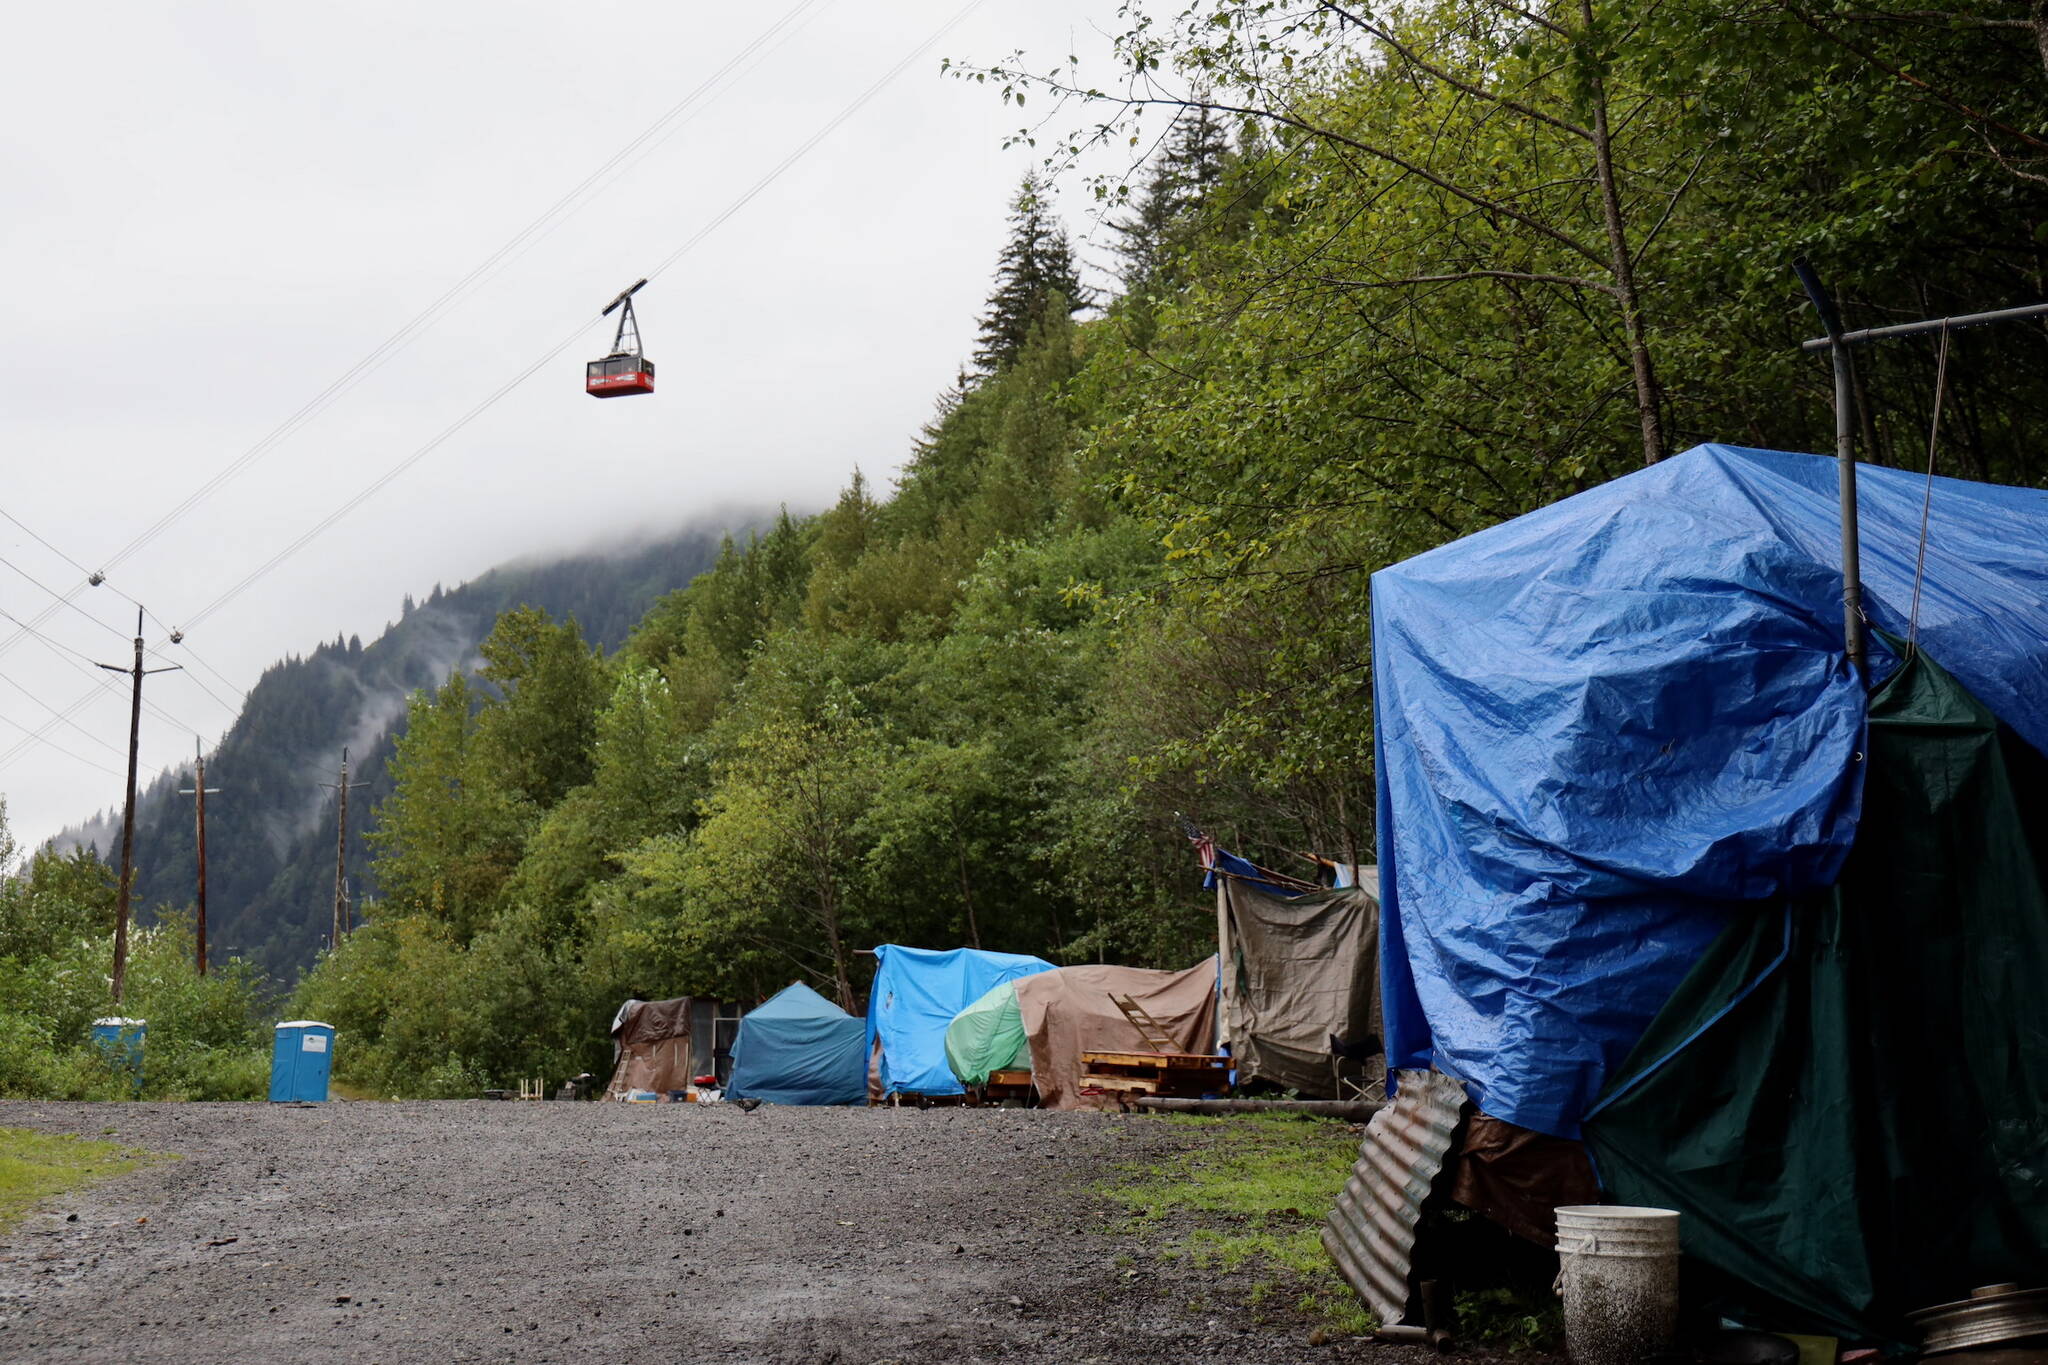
1929, 326
1852, 540
1845, 462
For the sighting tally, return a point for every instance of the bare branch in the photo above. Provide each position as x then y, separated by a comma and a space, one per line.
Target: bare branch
1570, 281
1298, 123
1671, 206
1908, 78
1386, 35
1520, 13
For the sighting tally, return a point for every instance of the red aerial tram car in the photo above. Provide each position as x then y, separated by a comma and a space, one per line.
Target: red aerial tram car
625, 370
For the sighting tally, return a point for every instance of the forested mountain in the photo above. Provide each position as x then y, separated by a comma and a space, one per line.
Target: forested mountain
271, 831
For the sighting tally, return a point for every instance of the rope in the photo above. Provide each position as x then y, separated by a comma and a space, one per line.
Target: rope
1927, 498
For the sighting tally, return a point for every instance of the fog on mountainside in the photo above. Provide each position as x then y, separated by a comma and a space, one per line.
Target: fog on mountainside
270, 837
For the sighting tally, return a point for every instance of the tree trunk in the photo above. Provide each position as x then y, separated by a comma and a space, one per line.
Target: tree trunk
1649, 399
967, 894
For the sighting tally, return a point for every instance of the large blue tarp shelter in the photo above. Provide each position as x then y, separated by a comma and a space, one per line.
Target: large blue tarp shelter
1603, 725
917, 992
800, 1048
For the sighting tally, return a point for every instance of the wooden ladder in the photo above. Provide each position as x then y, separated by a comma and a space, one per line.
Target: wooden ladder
1156, 1038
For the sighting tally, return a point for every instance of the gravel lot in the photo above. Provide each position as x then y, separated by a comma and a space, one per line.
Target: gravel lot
480, 1231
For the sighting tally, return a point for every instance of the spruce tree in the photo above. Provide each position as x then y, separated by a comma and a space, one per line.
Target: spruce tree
1035, 268
1191, 163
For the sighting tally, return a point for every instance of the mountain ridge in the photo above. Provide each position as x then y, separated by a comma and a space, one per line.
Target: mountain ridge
271, 829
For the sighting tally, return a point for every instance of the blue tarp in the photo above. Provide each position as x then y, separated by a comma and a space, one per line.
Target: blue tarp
1602, 725
800, 1048
917, 992
1228, 864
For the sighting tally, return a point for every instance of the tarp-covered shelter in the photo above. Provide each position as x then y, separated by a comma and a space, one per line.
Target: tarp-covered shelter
800, 1048
1073, 1010
663, 1044
916, 994
1848, 1096
988, 1036
1299, 968
1619, 742
1044, 1023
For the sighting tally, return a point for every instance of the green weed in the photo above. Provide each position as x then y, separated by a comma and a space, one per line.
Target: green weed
1255, 1189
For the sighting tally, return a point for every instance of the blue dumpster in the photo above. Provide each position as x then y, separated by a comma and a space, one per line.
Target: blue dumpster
299, 1062
121, 1041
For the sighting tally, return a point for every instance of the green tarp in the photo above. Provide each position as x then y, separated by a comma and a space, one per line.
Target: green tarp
1848, 1097
988, 1036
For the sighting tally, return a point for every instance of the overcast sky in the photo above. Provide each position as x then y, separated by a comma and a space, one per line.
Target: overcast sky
209, 213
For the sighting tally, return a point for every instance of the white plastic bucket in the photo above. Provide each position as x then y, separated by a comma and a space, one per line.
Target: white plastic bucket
1618, 1274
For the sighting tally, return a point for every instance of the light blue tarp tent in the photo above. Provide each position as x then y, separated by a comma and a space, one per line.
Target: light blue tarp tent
917, 992
1603, 724
800, 1048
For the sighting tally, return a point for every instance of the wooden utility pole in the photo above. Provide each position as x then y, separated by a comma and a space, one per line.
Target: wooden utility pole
138, 672
199, 791
341, 912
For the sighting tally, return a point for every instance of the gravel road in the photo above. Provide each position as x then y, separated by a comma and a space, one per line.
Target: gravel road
472, 1231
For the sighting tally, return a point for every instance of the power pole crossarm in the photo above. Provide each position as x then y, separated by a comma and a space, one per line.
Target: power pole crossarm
138, 673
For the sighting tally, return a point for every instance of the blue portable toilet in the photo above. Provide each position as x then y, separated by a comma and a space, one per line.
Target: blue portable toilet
121, 1041
300, 1059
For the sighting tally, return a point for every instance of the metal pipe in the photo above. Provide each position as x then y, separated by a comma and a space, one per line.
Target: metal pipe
1355, 1110
1404, 1334
1852, 540
1845, 462
1912, 329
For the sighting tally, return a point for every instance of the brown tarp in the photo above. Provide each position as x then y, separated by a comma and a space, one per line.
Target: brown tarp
653, 1037
1069, 1011
1518, 1177
1296, 972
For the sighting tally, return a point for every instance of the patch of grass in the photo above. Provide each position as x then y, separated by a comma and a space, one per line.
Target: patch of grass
1257, 1187
1340, 1310
34, 1166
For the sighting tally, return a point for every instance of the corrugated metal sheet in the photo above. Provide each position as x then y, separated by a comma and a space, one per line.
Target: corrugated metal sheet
1371, 1232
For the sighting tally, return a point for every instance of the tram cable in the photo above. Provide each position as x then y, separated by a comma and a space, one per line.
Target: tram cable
432, 313
636, 149
831, 125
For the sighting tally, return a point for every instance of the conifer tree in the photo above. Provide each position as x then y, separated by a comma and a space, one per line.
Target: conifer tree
1035, 268
1191, 162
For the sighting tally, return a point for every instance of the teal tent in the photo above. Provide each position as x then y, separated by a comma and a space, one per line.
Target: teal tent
800, 1048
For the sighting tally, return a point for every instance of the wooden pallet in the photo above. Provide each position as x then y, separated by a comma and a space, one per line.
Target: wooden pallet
1128, 1075
1010, 1083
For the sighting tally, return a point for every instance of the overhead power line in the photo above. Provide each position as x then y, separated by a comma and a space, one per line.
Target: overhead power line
57, 646
48, 743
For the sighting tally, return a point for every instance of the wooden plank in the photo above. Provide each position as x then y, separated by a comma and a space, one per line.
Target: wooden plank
1155, 1060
